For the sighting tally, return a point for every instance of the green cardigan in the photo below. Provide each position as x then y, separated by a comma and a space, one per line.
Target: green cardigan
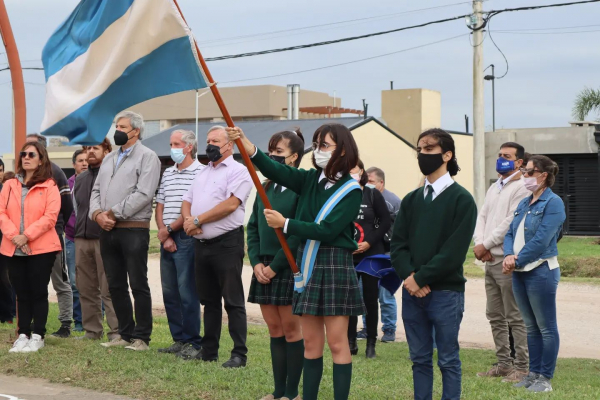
433, 239
262, 240
337, 229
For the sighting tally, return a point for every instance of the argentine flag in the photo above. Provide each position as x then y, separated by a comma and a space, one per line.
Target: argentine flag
110, 55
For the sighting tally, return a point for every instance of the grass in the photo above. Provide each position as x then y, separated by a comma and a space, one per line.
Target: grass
151, 376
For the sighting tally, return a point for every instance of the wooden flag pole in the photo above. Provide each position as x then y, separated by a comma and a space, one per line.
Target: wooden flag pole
245, 157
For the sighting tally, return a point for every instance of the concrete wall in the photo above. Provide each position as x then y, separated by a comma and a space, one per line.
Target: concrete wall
567, 140
408, 112
464, 155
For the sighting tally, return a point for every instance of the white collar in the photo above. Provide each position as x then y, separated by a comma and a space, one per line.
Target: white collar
190, 167
442, 183
501, 182
282, 188
322, 176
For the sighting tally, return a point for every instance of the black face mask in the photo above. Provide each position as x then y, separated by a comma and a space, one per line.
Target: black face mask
121, 137
213, 153
429, 163
279, 159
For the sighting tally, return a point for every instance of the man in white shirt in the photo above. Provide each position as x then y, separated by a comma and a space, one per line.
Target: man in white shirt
493, 222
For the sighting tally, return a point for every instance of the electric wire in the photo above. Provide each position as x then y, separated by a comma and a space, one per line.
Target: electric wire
498, 48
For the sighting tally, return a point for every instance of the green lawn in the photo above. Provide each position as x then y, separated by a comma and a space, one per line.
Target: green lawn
151, 376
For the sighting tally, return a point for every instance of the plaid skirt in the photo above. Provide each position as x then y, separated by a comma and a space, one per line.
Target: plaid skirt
333, 286
279, 292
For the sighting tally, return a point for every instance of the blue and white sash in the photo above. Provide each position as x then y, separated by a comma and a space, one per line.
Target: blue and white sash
312, 246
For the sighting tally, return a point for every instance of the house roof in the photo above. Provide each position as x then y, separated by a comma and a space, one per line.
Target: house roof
258, 131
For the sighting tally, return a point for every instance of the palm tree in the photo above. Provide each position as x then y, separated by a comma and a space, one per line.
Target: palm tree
588, 100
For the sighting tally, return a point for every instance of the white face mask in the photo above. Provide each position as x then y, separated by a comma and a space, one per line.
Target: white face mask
322, 158
356, 177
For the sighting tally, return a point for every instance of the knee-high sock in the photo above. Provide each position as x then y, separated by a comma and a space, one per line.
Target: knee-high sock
313, 372
342, 377
279, 363
295, 362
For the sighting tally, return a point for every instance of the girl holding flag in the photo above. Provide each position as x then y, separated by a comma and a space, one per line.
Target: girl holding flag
327, 293
272, 282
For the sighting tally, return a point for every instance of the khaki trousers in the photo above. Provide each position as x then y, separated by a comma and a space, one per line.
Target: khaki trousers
502, 312
93, 290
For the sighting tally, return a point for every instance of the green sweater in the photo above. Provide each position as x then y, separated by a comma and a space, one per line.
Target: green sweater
262, 240
337, 229
432, 240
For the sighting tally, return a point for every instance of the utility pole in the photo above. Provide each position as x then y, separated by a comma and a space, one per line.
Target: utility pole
478, 107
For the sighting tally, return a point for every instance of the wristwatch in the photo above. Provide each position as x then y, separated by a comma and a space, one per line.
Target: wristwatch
197, 222
169, 229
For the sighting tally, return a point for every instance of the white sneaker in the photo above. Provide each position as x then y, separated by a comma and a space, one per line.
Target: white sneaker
34, 344
19, 344
138, 345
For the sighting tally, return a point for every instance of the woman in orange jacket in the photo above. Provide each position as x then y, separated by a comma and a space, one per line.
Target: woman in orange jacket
29, 207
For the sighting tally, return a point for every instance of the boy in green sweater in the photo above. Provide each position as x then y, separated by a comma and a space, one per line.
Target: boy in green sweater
431, 237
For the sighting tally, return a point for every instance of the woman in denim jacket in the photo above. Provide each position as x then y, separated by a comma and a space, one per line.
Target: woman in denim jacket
530, 251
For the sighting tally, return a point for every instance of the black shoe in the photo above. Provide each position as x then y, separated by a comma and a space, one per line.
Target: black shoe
63, 333
370, 353
235, 362
172, 349
188, 352
353, 347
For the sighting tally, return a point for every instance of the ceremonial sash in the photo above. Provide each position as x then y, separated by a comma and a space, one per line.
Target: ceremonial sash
312, 246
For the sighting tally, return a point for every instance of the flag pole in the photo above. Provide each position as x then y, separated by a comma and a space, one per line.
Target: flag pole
244, 154
16, 75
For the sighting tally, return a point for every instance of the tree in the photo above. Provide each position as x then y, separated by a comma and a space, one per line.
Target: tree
588, 100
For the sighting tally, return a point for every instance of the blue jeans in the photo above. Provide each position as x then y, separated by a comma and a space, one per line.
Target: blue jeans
535, 293
442, 310
70, 252
389, 310
179, 290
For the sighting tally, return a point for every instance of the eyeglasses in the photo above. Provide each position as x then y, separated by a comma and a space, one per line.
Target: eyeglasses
530, 172
29, 154
322, 146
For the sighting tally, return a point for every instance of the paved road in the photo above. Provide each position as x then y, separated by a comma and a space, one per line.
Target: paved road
578, 314
16, 388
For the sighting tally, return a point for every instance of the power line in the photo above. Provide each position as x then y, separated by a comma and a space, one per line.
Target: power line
498, 48
490, 14
547, 29
348, 62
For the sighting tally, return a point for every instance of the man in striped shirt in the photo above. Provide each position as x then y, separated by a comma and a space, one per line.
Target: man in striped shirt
177, 248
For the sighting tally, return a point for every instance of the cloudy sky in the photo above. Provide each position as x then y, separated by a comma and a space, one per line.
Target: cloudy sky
548, 66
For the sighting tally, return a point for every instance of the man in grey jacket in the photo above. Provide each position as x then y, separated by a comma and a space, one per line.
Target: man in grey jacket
121, 203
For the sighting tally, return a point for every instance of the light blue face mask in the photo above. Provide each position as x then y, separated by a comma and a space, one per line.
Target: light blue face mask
370, 185
177, 155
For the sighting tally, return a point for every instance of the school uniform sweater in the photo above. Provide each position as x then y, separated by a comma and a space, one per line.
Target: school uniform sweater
262, 240
432, 239
337, 229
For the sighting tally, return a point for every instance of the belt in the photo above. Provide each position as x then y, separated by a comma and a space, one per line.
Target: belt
221, 237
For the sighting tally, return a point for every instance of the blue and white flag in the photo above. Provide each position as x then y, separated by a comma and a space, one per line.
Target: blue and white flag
110, 55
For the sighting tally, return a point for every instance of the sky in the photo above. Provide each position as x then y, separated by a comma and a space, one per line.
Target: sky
547, 68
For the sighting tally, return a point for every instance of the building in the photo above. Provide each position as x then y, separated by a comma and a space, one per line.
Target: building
576, 151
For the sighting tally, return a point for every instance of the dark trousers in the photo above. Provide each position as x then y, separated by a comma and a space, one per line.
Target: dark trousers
179, 290
441, 311
30, 276
219, 275
125, 255
7, 303
370, 285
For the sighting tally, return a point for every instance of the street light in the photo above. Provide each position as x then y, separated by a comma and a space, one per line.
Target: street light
492, 78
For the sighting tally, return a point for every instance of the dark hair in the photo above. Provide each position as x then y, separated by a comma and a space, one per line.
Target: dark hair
8, 175
40, 138
295, 141
364, 177
526, 157
2, 164
105, 144
342, 137
77, 153
520, 149
43, 172
446, 142
377, 171
545, 164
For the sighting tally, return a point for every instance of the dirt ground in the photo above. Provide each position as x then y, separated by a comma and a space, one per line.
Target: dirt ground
578, 314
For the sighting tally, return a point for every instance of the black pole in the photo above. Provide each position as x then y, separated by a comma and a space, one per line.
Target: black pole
391, 85
493, 99
597, 137
365, 107
466, 123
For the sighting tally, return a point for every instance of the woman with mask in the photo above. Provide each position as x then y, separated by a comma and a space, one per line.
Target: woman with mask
530, 252
272, 282
371, 224
29, 207
328, 293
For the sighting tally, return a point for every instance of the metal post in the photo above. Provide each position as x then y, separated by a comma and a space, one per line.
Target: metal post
296, 101
493, 99
196, 115
478, 109
290, 100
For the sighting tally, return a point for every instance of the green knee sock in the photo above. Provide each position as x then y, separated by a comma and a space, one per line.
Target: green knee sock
295, 362
313, 372
342, 377
279, 362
